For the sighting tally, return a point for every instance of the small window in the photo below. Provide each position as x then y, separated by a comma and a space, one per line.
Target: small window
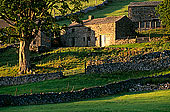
84, 38
147, 24
34, 42
142, 24
96, 38
153, 24
88, 38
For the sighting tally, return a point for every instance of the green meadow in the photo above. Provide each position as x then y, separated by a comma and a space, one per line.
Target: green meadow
156, 101
114, 8
73, 59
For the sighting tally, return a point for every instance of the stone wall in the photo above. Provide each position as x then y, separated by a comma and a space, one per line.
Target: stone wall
146, 62
143, 14
78, 37
9, 81
125, 41
142, 11
86, 93
41, 40
107, 30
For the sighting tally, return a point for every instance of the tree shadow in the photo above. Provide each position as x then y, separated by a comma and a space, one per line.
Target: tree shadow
9, 57
80, 55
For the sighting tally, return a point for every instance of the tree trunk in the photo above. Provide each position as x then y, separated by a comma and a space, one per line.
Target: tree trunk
24, 58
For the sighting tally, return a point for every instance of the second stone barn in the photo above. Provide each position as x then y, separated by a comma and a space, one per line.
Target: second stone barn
143, 14
98, 32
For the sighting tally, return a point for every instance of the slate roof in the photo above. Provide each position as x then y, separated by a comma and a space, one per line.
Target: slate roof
146, 3
3, 24
98, 21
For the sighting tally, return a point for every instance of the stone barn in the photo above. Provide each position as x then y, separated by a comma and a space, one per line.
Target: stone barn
40, 41
98, 32
78, 36
143, 14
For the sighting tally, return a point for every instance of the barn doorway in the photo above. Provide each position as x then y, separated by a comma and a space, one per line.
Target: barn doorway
73, 42
102, 40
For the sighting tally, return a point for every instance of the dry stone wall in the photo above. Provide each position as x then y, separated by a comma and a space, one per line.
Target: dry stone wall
86, 93
146, 62
8, 81
124, 41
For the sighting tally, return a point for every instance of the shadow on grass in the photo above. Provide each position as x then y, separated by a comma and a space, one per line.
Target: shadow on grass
80, 55
9, 57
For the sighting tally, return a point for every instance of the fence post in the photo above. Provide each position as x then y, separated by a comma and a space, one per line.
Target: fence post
85, 67
16, 91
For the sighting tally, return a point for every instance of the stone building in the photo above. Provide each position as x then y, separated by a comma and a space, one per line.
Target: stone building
40, 41
78, 36
143, 14
98, 32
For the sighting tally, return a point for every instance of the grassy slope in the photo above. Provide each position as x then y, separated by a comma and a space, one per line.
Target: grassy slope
71, 59
157, 46
157, 101
90, 3
154, 101
76, 82
116, 8
156, 32
68, 59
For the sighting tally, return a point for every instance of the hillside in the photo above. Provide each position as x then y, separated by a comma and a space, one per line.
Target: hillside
114, 8
72, 62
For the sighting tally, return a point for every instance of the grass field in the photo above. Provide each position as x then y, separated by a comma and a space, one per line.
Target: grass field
159, 32
72, 59
90, 3
157, 101
77, 82
115, 8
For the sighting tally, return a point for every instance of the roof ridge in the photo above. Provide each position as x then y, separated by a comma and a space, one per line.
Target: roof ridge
104, 20
145, 3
